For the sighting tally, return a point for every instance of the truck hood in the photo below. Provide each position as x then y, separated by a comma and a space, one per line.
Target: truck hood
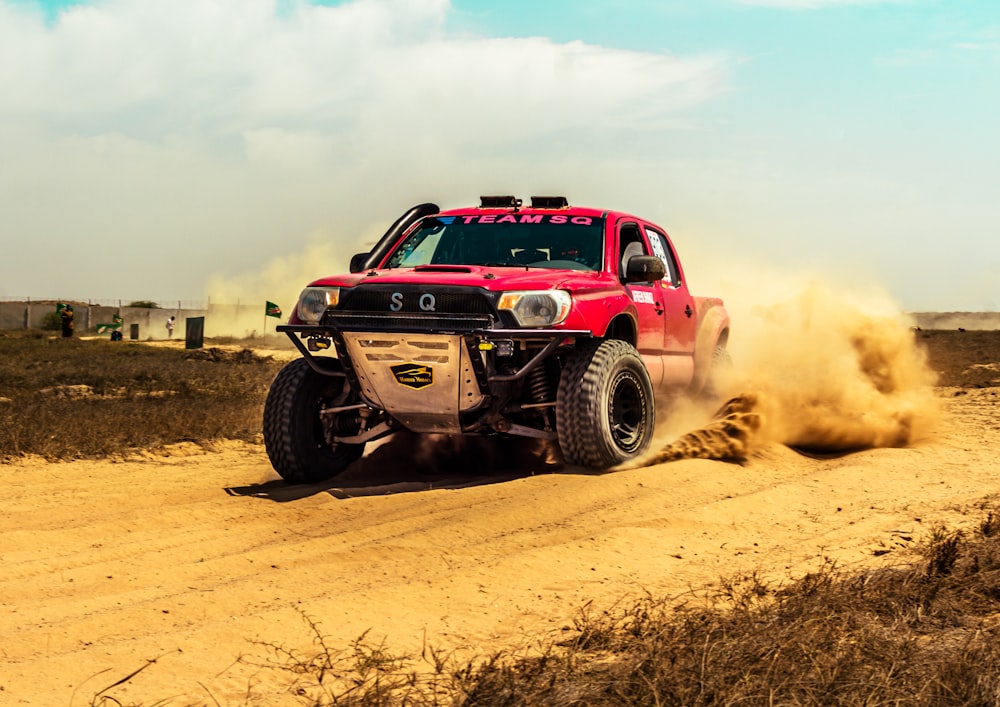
489, 278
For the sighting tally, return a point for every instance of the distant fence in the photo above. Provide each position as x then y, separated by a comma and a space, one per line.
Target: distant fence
220, 319
958, 320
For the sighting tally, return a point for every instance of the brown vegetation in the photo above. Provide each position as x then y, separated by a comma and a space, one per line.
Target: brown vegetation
919, 635
71, 398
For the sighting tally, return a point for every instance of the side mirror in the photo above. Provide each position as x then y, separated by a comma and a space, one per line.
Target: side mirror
644, 268
358, 261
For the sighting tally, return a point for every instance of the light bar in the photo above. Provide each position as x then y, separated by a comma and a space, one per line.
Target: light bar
549, 202
499, 202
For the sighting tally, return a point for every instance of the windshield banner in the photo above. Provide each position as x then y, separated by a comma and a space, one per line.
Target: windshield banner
519, 218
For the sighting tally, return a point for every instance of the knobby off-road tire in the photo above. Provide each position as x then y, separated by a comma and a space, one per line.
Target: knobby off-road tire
604, 408
293, 433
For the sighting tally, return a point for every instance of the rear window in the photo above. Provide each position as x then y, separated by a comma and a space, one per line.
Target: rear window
557, 241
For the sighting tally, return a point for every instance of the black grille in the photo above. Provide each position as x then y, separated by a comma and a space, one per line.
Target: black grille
406, 322
404, 300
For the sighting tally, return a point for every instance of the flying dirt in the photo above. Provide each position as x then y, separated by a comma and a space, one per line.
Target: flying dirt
817, 374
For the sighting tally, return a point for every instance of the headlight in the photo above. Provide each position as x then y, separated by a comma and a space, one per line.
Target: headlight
536, 308
314, 300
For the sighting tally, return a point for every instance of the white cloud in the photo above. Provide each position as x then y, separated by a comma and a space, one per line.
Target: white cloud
155, 69
220, 126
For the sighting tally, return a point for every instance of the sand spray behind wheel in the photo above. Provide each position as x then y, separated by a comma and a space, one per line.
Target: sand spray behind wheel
815, 366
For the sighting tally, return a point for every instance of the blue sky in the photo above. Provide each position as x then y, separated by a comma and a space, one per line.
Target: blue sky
237, 148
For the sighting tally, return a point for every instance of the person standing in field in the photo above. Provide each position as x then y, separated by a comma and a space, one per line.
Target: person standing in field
170, 327
66, 319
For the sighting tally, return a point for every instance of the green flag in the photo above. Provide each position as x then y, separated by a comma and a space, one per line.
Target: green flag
115, 325
272, 310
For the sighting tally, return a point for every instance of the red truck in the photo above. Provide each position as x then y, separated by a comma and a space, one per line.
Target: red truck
548, 320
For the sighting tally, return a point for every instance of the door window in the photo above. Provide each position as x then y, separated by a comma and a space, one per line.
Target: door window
629, 244
662, 250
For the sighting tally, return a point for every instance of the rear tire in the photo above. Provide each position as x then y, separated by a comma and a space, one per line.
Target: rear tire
722, 361
604, 408
293, 431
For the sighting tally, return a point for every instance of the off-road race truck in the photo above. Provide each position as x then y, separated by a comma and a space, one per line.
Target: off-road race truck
551, 321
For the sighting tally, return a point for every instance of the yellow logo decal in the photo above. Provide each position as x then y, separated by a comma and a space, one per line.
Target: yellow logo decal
413, 375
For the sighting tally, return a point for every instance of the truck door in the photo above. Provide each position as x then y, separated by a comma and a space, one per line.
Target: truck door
679, 319
645, 295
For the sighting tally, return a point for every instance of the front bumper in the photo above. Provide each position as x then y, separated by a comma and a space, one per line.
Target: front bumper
427, 372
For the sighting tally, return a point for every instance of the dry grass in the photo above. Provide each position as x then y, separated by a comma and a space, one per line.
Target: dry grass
68, 398
923, 634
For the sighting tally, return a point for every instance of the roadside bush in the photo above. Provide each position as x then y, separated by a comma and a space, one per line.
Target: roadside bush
51, 321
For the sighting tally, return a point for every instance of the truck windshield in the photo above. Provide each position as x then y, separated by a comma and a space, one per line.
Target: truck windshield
556, 241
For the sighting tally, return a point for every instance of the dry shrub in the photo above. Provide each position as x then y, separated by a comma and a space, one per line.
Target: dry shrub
365, 673
921, 635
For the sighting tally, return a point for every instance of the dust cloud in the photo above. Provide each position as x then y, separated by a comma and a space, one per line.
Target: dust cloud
819, 368
279, 281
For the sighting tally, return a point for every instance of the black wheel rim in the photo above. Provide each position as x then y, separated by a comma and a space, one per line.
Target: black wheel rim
627, 412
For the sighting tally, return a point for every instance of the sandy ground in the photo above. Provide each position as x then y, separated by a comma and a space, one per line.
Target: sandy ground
194, 558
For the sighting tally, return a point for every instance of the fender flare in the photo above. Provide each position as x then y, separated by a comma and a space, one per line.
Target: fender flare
629, 314
713, 329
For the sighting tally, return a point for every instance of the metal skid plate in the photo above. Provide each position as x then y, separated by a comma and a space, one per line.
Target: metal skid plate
422, 380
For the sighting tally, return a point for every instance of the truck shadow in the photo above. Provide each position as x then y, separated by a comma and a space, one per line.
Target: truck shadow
408, 463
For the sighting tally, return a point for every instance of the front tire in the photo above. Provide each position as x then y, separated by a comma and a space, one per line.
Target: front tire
293, 431
604, 410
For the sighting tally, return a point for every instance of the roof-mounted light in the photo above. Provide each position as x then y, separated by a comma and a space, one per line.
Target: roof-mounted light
499, 202
549, 202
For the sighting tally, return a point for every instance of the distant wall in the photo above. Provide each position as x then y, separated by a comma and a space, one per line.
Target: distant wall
957, 320
220, 319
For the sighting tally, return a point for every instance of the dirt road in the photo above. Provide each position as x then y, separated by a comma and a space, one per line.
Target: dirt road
194, 557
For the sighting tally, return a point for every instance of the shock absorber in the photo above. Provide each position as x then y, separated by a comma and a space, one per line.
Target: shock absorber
539, 385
